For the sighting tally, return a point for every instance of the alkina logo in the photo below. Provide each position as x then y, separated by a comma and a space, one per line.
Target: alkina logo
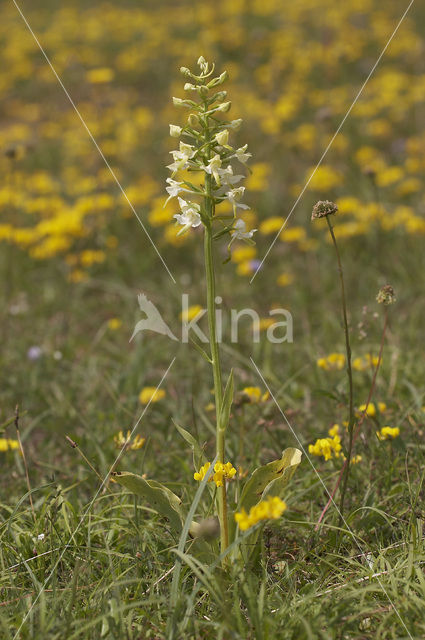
277, 331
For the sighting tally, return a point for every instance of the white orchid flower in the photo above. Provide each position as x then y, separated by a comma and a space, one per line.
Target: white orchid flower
235, 124
234, 196
227, 177
181, 158
189, 217
240, 232
242, 155
213, 168
174, 189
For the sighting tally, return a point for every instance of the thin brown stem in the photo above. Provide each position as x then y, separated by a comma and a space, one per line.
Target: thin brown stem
346, 467
361, 420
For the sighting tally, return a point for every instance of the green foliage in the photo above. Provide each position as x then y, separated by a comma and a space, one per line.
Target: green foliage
270, 479
159, 497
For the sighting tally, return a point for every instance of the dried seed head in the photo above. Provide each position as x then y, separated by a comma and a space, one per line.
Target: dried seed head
386, 295
323, 208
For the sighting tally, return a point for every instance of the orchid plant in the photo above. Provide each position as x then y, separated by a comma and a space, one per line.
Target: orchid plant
205, 150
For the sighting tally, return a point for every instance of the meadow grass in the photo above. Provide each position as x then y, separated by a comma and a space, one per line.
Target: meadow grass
97, 561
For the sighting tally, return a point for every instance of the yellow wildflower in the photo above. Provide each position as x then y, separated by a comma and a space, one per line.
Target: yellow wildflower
334, 431
371, 410
271, 225
200, 475
100, 76
254, 395
243, 254
269, 509
285, 279
332, 362
125, 441
386, 433
221, 472
190, 313
114, 323
326, 447
6, 444
151, 394
354, 460
293, 234
245, 268
324, 179
366, 362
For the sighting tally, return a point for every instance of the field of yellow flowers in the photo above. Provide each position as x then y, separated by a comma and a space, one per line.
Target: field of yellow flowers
332, 101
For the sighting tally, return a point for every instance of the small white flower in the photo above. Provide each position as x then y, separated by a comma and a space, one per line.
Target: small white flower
189, 217
40, 537
174, 188
175, 131
234, 196
181, 157
189, 87
213, 168
241, 154
235, 124
227, 177
240, 232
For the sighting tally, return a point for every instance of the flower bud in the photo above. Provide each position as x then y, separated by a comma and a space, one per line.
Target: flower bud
175, 131
189, 87
219, 96
215, 82
222, 137
224, 107
185, 71
193, 120
203, 64
323, 208
178, 102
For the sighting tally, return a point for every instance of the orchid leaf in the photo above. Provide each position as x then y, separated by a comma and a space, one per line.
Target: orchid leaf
160, 498
262, 481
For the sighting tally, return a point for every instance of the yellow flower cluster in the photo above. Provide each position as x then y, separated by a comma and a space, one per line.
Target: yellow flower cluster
366, 362
6, 444
221, 472
125, 441
388, 433
327, 447
332, 362
269, 509
371, 409
54, 211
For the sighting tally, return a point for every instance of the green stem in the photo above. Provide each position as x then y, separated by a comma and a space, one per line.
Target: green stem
215, 357
350, 379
